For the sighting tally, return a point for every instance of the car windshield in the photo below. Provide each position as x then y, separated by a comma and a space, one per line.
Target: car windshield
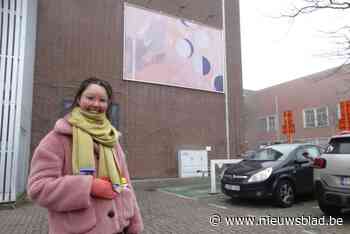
273, 153
248, 154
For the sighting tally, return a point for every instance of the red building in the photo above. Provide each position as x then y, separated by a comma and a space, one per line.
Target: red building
314, 101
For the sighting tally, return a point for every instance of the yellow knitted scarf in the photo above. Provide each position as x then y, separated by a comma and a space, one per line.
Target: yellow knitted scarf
87, 128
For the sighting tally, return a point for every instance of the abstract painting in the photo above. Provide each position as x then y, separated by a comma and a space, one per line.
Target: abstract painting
171, 51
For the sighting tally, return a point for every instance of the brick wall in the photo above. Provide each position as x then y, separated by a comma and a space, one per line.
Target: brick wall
77, 39
325, 88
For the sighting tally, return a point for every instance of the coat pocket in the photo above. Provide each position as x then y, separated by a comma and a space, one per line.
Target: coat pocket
80, 221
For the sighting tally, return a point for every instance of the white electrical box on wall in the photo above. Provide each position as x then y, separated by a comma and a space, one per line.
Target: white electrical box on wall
192, 163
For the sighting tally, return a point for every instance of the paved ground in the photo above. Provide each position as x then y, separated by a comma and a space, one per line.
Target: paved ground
166, 212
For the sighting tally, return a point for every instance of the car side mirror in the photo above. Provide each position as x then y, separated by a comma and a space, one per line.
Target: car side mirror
301, 160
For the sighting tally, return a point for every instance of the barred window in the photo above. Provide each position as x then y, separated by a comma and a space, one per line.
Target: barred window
267, 124
322, 117
316, 117
309, 118
272, 123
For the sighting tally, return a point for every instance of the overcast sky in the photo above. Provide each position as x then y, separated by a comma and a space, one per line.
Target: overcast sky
275, 50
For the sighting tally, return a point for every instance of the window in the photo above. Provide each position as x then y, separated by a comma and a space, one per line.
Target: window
312, 153
322, 117
272, 123
267, 124
267, 154
262, 125
309, 119
339, 146
316, 117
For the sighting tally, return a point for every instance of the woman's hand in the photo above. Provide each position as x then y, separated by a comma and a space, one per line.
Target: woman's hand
102, 188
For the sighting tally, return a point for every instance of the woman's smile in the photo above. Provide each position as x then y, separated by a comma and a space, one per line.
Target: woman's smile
94, 99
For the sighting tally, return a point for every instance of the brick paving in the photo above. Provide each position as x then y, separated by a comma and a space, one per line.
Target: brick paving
162, 213
167, 213
26, 218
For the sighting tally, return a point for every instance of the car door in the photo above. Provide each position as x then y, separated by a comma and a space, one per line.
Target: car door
303, 167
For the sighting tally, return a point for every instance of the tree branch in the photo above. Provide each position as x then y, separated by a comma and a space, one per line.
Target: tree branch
316, 5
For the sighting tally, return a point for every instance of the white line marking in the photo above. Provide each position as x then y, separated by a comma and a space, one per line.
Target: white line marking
308, 232
177, 195
217, 206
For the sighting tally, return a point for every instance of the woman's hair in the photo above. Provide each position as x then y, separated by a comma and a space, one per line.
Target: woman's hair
93, 80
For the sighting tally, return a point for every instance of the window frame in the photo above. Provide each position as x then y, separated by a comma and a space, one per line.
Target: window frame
267, 126
316, 120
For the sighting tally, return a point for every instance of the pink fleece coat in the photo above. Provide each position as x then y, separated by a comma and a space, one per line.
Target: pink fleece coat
67, 197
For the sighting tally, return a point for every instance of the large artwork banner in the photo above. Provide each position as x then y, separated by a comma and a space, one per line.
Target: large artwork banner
171, 51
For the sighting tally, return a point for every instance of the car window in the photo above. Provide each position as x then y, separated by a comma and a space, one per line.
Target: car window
248, 154
266, 154
312, 153
285, 148
299, 153
339, 146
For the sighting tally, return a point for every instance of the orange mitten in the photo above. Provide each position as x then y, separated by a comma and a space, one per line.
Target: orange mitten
102, 188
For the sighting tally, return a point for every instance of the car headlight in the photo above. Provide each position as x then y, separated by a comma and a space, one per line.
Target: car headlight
261, 175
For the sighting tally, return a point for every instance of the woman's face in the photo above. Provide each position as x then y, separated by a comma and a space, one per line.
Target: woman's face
94, 99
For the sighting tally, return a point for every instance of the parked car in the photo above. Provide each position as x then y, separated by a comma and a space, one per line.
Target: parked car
332, 175
279, 171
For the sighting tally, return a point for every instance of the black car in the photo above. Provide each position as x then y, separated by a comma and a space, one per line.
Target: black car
279, 171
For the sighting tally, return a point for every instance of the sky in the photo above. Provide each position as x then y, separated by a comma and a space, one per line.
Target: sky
276, 50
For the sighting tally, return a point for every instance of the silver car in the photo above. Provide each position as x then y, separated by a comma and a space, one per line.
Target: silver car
332, 175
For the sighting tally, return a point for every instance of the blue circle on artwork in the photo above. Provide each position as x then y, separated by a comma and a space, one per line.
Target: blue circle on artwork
206, 66
219, 83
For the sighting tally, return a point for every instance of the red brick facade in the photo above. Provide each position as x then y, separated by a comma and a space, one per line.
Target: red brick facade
324, 89
77, 39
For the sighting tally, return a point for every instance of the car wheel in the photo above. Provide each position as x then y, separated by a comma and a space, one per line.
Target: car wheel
285, 193
329, 209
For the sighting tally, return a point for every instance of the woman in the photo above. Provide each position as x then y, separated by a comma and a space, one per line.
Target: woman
78, 171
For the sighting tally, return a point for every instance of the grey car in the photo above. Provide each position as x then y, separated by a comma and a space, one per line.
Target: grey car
332, 175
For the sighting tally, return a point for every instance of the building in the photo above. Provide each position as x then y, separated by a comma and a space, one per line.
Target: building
17, 46
78, 39
314, 101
